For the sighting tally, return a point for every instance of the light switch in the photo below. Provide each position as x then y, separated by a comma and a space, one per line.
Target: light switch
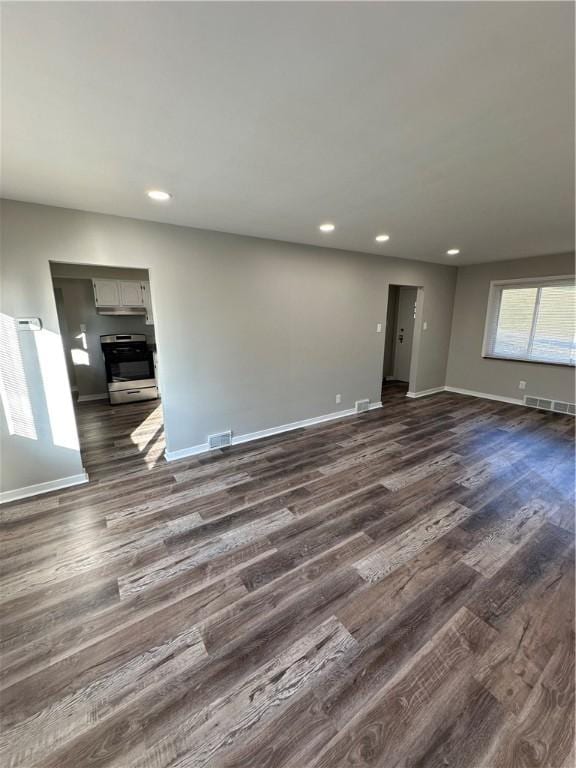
379, 328
425, 325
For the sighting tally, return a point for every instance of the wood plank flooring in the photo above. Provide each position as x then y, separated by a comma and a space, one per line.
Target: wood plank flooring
394, 589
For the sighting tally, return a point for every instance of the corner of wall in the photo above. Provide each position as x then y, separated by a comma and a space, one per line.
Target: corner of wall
449, 358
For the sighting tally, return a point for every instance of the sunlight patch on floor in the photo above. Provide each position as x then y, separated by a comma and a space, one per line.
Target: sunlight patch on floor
147, 430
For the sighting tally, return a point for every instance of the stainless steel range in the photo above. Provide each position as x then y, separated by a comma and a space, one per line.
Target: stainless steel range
129, 368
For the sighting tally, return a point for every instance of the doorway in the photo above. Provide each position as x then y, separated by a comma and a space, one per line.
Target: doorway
399, 339
107, 330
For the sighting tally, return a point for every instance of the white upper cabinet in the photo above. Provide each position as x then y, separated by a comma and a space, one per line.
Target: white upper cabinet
120, 293
131, 293
106, 293
147, 303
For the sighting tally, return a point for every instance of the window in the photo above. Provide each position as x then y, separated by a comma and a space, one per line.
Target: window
532, 320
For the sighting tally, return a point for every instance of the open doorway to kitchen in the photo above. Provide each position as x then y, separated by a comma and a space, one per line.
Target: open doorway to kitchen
107, 329
399, 343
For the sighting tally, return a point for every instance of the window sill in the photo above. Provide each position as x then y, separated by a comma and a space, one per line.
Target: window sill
531, 362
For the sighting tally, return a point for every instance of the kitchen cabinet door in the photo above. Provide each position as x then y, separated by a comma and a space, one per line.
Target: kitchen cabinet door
106, 293
147, 303
131, 294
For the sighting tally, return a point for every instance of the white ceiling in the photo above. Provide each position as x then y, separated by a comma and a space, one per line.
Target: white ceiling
442, 124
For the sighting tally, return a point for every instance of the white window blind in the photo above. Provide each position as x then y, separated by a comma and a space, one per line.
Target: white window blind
533, 321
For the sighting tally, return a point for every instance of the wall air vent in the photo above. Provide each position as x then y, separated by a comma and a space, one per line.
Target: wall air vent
362, 405
545, 404
221, 440
561, 407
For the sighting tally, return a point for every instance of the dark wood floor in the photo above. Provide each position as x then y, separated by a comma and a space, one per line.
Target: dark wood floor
393, 589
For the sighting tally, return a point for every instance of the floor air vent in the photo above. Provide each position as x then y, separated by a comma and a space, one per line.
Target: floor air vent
221, 440
362, 405
545, 404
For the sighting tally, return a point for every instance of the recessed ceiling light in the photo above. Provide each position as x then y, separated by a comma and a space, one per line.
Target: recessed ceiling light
327, 227
382, 238
159, 195
453, 252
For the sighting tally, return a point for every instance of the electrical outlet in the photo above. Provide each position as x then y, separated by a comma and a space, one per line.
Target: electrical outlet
338, 398
425, 325
379, 328
522, 385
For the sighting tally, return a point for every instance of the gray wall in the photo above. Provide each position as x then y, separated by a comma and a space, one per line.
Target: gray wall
467, 369
77, 307
251, 333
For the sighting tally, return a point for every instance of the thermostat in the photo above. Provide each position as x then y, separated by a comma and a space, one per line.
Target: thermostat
29, 323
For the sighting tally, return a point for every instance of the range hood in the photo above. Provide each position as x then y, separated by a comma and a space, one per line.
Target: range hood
121, 311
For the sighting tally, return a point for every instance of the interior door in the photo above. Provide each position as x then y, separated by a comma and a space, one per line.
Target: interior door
404, 332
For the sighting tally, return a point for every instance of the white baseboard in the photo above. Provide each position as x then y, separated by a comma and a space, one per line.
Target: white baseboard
36, 490
425, 392
88, 398
485, 395
194, 450
184, 453
469, 392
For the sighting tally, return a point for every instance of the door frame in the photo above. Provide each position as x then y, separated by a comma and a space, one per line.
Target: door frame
106, 265
417, 335
416, 340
